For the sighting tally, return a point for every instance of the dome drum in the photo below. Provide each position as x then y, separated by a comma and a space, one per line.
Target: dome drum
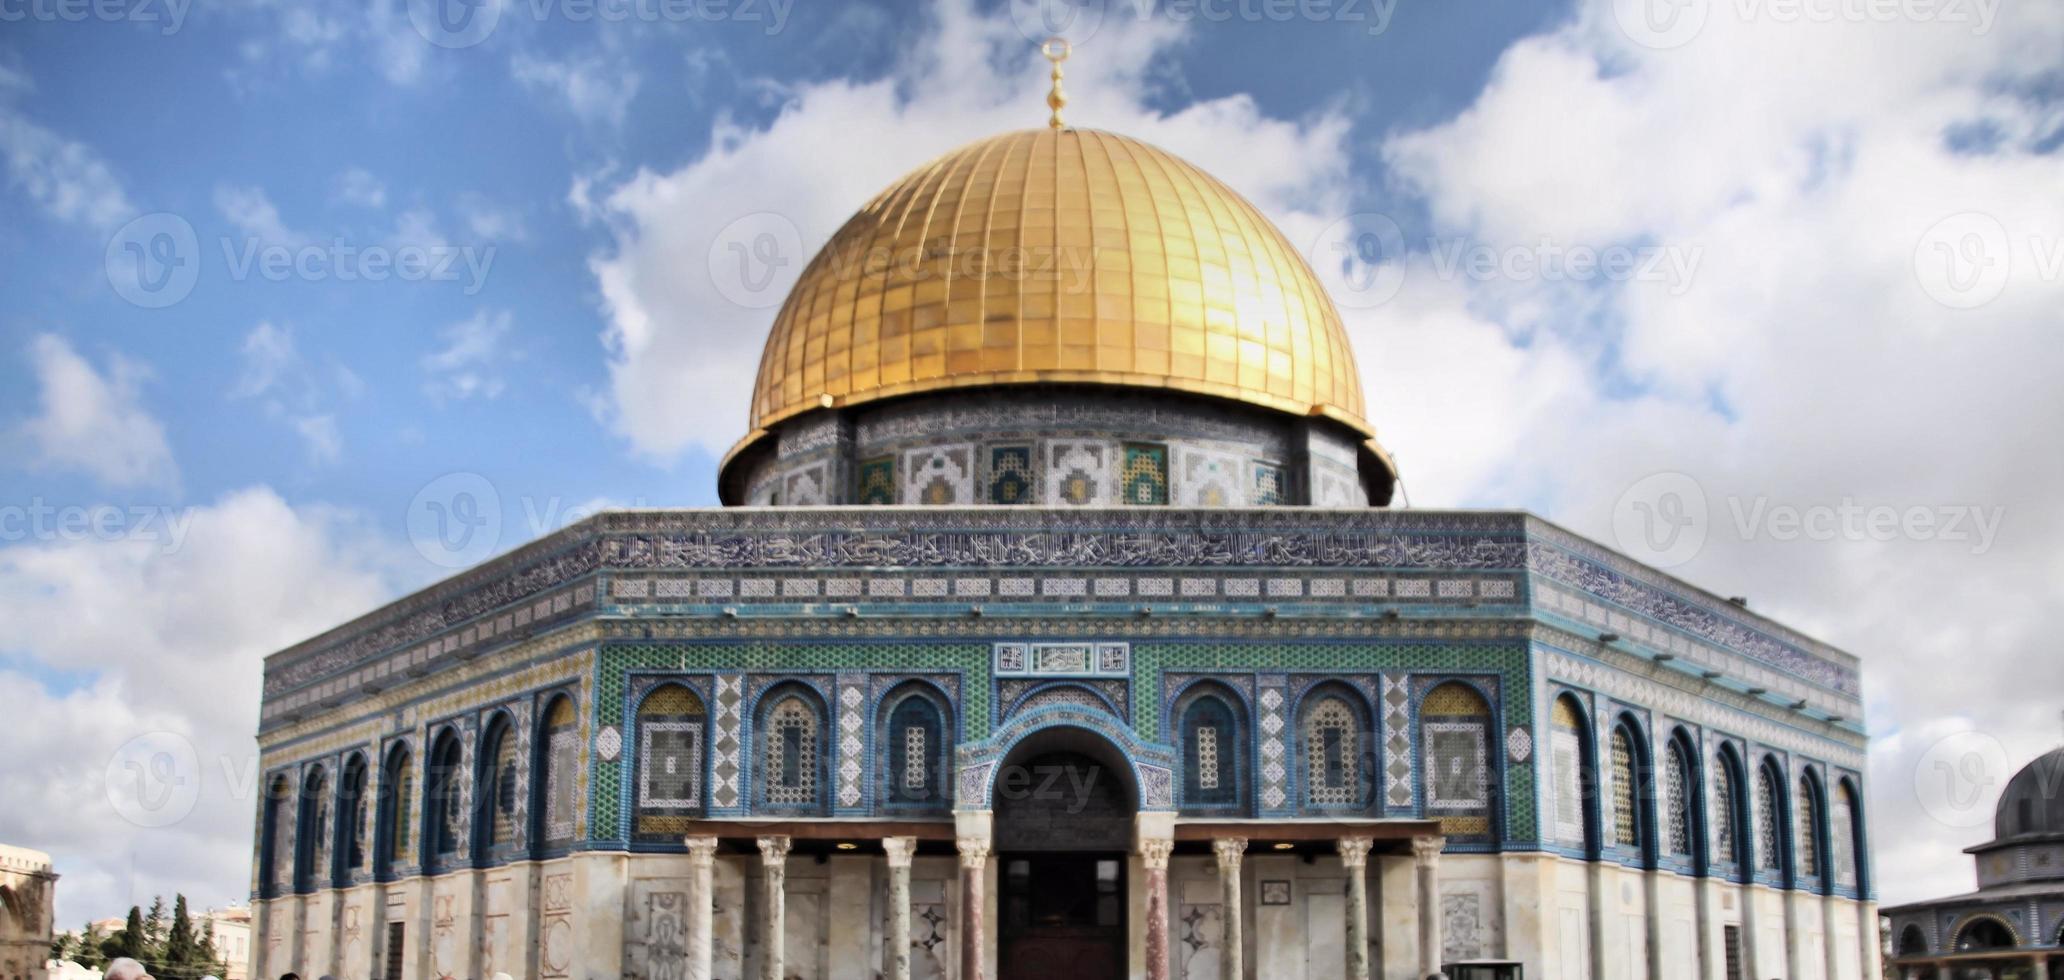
1053, 445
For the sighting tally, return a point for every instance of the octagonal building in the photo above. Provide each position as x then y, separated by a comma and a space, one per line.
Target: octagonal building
1058, 624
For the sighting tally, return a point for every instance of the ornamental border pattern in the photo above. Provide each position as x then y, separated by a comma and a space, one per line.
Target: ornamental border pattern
552, 578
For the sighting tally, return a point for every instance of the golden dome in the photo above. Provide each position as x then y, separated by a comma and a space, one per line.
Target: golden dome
1060, 256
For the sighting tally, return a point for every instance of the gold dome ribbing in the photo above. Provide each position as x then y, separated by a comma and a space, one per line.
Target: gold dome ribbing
1064, 256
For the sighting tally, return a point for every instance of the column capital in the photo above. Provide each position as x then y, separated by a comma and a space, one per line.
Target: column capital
1229, 850
1426, 851
1354, 851
899, 850
773, 850
974, 852
1154, 851
702, 851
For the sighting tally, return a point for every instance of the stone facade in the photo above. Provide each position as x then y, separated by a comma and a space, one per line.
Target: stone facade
28, 906
770, 649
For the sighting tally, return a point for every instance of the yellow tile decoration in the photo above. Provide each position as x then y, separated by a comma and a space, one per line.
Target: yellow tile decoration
1061, 256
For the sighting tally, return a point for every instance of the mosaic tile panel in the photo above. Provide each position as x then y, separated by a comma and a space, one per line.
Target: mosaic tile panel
1209, 479
940, 475
1275, 775
852, 719
1144, 479
1078, 473
805, 487
877, 484
1396, 705
1271, 486
1012, 477
725, 759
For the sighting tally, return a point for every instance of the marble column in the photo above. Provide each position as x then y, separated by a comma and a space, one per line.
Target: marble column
899, 850
1233, 948
773, 906
1354, 859
702, 860
1153, 852
974, 858
1426, 853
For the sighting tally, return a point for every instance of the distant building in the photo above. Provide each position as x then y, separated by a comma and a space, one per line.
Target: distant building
231, 928
2012, 927
28, 899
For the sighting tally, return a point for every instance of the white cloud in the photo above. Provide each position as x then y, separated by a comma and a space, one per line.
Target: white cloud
64, 177
359, 187
1806, 366
250, 575
251, 210
291, 391
594, 88
467, 365
93, 421
682, 357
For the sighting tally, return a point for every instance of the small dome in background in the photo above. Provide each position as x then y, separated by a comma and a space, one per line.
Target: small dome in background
2034, 799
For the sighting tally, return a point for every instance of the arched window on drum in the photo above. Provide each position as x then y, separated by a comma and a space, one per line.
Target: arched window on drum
1771, 829
1572, 776
445, 809
1213, 738
496, 816
1336, 768
1458, 776
394, 843
558, 754
354, 821
916, 747
1682, 827
311, 841
671, 726
276, 843
792, 752
1845, 825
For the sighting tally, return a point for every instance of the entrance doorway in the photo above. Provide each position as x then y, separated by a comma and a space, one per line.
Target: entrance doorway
1064, 813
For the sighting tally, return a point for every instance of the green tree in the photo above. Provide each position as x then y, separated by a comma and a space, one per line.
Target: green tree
180, 948
86, 951
130, 941
205, 949
154, 925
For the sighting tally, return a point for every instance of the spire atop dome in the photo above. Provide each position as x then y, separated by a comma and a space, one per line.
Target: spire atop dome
1056, 50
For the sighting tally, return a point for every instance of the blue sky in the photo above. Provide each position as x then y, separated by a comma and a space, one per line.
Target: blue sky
1800, 352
